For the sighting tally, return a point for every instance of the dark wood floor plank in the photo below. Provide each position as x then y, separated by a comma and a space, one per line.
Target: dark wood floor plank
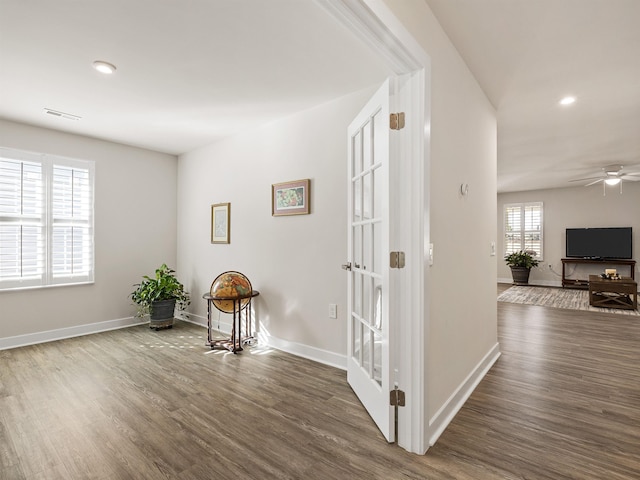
563, 401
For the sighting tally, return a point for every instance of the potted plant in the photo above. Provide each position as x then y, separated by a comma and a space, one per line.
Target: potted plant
159, 296
521, 264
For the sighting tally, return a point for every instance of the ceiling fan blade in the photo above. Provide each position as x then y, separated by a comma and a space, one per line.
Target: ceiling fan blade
586, 179
594, 182
631, 177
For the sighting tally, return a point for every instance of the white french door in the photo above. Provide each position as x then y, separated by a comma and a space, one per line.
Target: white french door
369, 346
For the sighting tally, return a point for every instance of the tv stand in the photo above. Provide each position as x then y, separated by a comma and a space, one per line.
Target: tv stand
584, 283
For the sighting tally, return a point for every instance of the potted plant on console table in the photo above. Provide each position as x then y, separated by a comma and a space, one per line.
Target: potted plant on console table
521, 264
159, 296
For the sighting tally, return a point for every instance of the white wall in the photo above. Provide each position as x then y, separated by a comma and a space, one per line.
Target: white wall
293, 261
135, 231
461, 334
574, 207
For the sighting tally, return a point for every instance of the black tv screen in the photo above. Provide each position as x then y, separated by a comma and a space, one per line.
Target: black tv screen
612, 243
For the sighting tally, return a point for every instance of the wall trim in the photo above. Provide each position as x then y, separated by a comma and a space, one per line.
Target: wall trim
68, 332
316, 354
445, 414
319, 355
373, 22
265, 339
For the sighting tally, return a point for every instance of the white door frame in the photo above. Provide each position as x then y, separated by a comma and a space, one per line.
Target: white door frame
373, 22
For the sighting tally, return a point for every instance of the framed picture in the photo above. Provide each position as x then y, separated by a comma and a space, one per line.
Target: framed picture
221, 223
290, 198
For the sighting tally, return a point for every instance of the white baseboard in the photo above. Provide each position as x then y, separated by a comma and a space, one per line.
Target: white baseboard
445, 414
265, 339
68, 332
223, 324
312, 353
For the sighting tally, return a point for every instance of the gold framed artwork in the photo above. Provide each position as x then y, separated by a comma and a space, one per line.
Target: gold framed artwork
290, 198
221, 223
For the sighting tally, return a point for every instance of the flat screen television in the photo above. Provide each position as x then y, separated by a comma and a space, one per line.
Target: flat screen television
599, 243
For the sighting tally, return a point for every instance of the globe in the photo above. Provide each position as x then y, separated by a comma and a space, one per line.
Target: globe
230, 285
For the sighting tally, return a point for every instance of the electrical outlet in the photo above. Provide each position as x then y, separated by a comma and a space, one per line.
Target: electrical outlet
333, 310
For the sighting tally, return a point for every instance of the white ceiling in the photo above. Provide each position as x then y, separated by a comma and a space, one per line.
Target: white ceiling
193, 71
527, 55
188, 72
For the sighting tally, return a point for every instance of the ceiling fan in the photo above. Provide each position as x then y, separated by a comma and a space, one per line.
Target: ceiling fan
611, 175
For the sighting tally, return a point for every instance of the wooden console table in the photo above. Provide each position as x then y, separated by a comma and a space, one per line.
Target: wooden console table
622, 293
584, 283
235, 342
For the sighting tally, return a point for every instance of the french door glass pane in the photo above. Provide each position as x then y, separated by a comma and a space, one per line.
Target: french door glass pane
376, 239
357, 200
357, 153
355, 338
357, 294
367, 152
367, 240
377, 358
377, 304
367, 200
366, 299
367, 347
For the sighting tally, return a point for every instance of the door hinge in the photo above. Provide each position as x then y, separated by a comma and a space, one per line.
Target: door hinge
396, 398
396, 259
396, 121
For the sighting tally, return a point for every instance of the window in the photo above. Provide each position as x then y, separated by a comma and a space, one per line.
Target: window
46, 220
523, 228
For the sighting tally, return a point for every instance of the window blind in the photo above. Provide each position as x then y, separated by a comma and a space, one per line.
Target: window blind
523, 228
46, 220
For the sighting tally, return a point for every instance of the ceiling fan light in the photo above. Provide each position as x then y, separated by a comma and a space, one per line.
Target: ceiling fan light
612, 181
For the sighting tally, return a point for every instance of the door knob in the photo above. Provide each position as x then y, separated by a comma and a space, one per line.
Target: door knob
347, 266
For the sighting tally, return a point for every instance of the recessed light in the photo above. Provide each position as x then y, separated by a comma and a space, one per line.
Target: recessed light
104, 67
567, 100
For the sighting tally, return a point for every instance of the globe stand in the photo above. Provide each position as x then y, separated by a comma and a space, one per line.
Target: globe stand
236, 341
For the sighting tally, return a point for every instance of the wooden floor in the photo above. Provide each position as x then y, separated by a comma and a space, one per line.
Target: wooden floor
562, 402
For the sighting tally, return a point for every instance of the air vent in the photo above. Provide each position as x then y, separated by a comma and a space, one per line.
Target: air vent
56, 113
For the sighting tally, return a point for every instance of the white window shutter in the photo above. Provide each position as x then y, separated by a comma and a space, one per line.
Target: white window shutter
72, 223
46, 220
22, 245
523, 228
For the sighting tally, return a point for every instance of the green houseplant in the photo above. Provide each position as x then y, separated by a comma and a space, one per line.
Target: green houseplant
521, 263
159, 296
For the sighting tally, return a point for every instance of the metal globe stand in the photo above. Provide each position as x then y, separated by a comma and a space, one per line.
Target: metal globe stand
233, 302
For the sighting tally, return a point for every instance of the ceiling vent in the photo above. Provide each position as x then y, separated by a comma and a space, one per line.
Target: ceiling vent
56, 113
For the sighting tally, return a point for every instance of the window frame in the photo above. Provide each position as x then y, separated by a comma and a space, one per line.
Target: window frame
522, 231
48, 221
